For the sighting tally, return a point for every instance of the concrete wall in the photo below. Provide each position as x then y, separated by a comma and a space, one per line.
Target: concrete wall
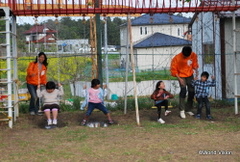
145, 88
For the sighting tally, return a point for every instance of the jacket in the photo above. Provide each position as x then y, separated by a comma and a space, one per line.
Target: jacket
101, 95
34, 76
183, 66
155, 96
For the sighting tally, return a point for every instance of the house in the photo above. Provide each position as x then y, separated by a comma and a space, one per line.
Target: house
73, 45
212, 40
40, 37
156, 39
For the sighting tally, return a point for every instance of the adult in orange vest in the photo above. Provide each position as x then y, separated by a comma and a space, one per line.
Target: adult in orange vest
183, 66
36, 75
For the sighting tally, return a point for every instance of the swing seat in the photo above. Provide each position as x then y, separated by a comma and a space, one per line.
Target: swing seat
169, 106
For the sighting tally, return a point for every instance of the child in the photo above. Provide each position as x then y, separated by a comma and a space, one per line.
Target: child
94, 98
201, 93
51, 101
160, 96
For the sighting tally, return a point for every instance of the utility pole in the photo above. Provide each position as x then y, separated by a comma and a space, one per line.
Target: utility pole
99, 42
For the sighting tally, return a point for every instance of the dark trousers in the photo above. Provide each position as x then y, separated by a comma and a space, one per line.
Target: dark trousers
34, 101
159, 105
186, 88
201, 101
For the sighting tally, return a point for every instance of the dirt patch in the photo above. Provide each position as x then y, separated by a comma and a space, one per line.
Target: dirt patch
177, 140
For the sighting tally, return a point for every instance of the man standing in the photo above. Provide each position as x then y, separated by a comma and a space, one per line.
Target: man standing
183, 66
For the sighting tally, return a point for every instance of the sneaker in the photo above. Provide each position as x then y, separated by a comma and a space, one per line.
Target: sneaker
161, 121
167, 112
39, 113
50, 122
182, 114
83, 123
190, 113
32, 113
198, 116
110, 122
54, 122
209, 117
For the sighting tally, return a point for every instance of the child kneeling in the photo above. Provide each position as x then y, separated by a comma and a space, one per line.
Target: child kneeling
51, 101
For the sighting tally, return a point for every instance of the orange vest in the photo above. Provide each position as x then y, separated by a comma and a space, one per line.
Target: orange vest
34, 76
183, 66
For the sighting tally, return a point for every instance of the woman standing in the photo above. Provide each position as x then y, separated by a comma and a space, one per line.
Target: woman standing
36, 75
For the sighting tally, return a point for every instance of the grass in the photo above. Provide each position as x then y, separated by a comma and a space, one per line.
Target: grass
177, 140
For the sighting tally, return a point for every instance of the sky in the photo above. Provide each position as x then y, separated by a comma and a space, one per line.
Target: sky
32, 20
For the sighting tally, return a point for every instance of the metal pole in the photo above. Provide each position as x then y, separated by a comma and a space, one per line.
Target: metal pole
234, 61
106, 54
127, 68
15, 67
134, 73
9, 78
99, 44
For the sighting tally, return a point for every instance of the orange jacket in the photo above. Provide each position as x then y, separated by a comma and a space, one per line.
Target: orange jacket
183, 66
33, 73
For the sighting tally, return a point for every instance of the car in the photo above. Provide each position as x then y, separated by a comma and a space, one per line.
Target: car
110, 48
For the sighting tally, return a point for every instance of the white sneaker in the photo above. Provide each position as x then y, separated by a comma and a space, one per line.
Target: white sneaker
190, 113
167, 112
50, 122
55, 121
182, 114
161, 121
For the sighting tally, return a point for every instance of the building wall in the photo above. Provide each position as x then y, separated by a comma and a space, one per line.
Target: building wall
228, 29
169, 29
145, 88
206, 29
156, 58
175, 30
72, 45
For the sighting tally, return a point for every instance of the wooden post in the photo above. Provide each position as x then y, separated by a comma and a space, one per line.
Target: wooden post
93, 41
133, 71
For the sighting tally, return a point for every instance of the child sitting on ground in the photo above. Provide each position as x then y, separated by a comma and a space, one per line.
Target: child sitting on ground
51, 101
201, 93
94, 98
160, 96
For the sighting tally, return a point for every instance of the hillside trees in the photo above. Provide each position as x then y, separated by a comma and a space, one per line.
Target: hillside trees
69, 28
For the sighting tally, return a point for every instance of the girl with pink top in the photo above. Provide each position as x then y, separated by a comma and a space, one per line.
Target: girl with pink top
94, 98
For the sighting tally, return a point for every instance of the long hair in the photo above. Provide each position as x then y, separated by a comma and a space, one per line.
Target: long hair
45, 60
158, 84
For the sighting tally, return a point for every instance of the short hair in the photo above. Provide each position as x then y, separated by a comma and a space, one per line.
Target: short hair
50, 85
186, 51
206, 74
95, 82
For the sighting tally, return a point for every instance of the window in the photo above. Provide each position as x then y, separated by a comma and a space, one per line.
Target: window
146, 31
179, 31
208, 53
141, 31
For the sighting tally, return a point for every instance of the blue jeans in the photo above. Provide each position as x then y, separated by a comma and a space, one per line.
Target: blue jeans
200, 101
92, 106
34, 101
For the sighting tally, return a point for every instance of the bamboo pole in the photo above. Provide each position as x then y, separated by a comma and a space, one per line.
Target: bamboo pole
133, 71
